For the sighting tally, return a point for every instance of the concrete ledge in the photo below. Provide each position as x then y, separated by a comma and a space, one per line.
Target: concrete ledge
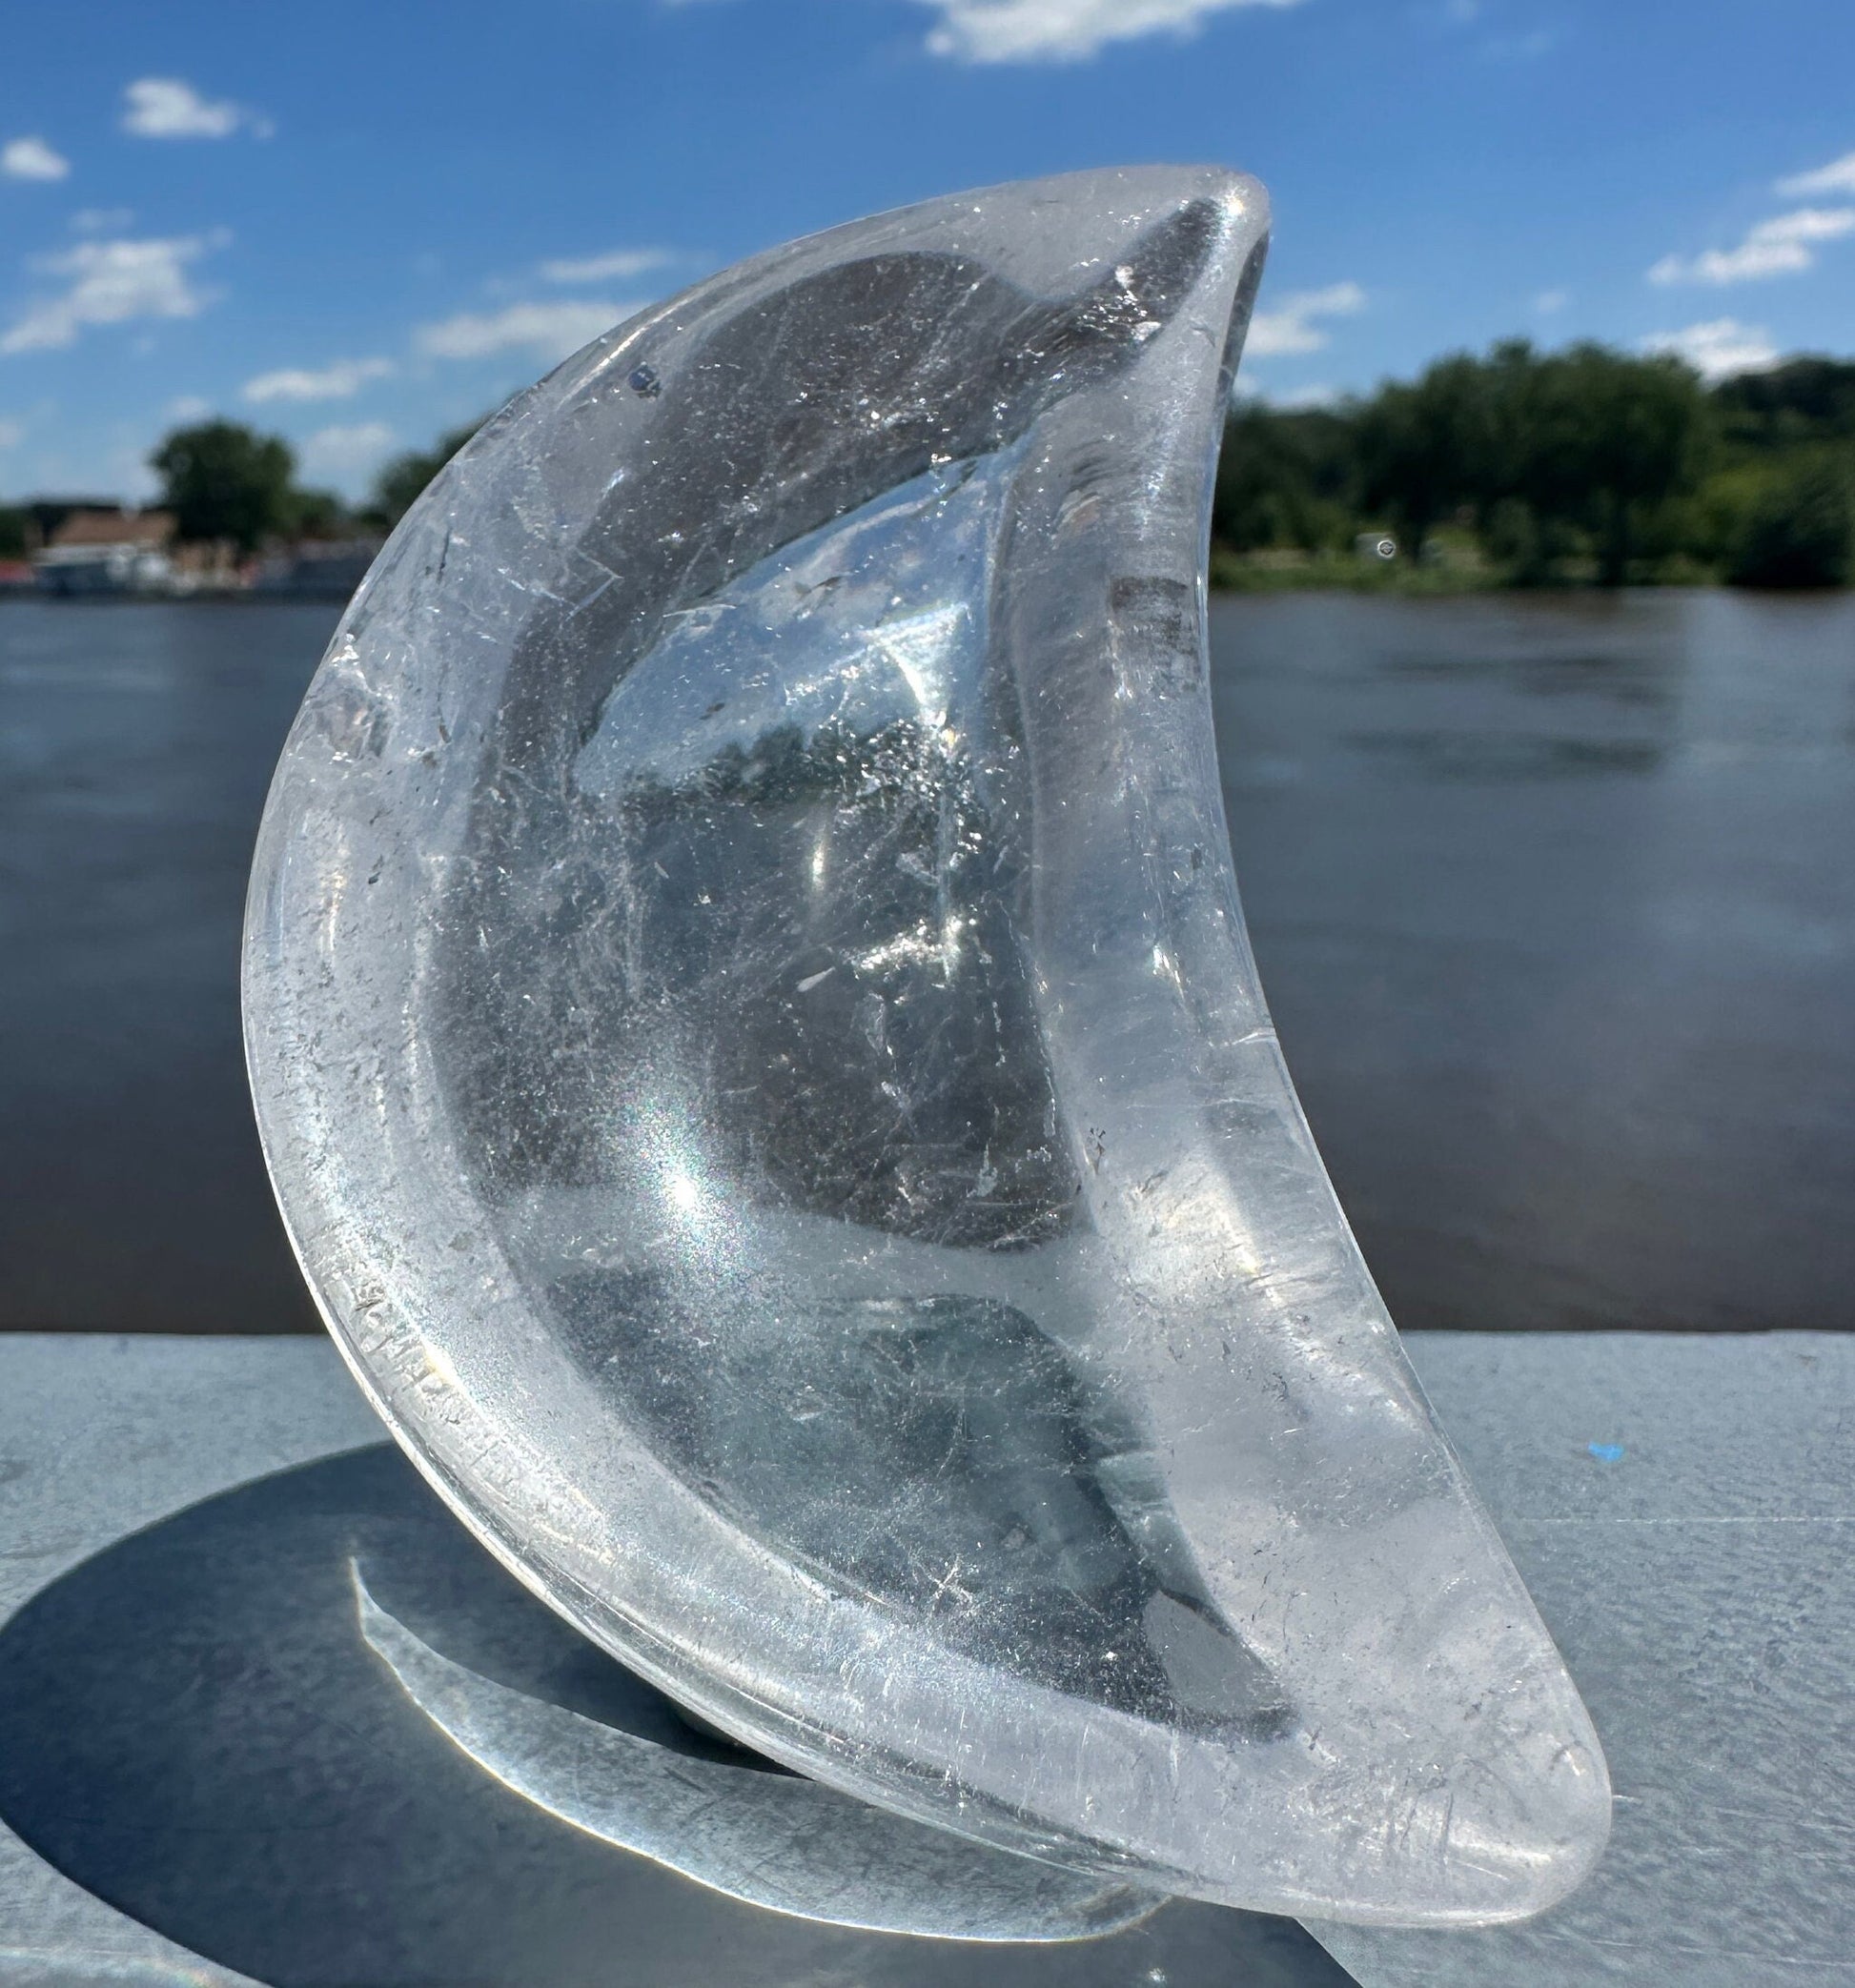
1679, 1505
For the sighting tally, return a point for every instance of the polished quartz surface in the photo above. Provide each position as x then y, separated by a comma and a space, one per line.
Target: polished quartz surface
754, 1036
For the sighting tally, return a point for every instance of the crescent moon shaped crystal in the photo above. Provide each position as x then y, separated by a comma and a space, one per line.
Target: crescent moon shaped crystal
757, 1047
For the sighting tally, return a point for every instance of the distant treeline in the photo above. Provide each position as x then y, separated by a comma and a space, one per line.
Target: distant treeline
1523, 468
223, 483
1520, 468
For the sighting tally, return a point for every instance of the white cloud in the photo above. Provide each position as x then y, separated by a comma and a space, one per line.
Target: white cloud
110, 282
163, 106
1062, 30
1302, 399
622, 263
188, 407
1783, 246
101, 220
549, 330
1837, 176
1294, 328
1721, 347
1551, 300
32, 158
338, 380
11, 433
1807, 224
338, 451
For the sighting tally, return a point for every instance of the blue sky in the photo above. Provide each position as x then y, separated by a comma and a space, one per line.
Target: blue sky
358, 224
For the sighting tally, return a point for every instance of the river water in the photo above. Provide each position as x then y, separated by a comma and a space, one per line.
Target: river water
1553, 899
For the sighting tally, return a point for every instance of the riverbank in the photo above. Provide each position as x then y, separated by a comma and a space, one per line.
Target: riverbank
1457, 570
1275, 572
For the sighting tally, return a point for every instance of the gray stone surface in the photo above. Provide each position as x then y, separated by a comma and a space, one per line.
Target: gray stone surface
99, 1436
1694, 1570
188, 1733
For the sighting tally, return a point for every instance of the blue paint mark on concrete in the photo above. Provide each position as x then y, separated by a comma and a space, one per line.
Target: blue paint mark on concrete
1606, 1452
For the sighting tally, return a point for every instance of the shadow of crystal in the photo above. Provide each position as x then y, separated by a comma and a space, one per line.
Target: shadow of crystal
194, 1728
772, 1840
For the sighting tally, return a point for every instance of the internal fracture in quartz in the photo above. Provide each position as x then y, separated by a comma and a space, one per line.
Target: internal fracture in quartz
755, 1039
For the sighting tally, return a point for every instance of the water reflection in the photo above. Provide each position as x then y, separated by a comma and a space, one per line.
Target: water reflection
1632, 672
1550, 904
1511, 757
1396, 899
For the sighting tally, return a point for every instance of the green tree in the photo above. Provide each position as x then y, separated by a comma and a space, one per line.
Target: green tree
1616, 441
1424, 449
1530, 490
1285, 477
1586, 461
314, 514
1799, 532
1808, 399
222, 481
402, 482
16, 532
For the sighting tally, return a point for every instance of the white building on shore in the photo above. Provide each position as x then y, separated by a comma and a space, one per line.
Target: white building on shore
108, 552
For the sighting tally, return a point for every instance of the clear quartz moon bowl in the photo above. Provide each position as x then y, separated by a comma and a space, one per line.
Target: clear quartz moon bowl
758, 1054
